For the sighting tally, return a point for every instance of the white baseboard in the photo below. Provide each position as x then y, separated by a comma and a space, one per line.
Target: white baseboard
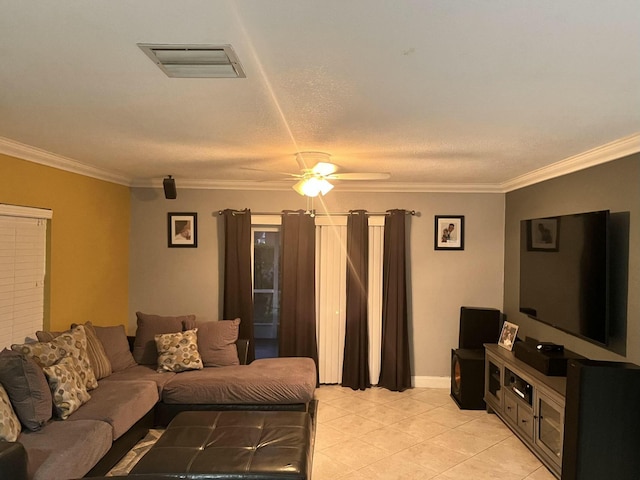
431, 382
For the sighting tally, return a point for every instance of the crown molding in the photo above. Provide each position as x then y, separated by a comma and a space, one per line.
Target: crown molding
37, 155
398, 187
378, 187
611, 151
605, 153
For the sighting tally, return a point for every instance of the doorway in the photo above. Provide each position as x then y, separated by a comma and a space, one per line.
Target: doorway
266, 290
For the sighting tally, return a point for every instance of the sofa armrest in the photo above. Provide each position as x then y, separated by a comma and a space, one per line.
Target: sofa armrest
13, 461
243, 349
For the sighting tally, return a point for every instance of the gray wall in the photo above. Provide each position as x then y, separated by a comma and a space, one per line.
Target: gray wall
613, 186
185, 280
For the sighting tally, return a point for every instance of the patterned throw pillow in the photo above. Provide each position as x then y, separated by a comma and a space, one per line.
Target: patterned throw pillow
178, 352
68, 344
67, 387
150, 325
10, 426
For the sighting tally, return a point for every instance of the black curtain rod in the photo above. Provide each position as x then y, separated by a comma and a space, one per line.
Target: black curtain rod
314, 213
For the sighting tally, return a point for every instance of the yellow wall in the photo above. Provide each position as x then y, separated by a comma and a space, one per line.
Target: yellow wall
89, 240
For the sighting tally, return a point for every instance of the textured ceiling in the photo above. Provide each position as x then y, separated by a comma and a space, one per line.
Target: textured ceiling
434, 92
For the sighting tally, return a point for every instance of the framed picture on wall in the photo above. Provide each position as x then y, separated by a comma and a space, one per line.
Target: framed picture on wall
449, 232
543, 234
182, 230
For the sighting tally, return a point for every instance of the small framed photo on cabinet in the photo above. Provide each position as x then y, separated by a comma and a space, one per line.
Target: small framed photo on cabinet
508, 335
449, 232
182, 230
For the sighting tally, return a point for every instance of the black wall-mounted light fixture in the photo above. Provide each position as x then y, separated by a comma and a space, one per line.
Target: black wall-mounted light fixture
169, 185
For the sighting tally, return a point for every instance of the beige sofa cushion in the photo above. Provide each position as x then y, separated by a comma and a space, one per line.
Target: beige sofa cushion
61, 449
141, 372
119, 403
279, 381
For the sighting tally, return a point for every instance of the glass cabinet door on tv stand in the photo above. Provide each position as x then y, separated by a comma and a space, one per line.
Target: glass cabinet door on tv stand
549, 426
493, 381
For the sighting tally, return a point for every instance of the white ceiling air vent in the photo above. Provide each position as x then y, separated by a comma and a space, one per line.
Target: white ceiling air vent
195, 61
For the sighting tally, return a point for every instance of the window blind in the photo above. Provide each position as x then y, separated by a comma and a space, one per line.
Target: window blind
23, 236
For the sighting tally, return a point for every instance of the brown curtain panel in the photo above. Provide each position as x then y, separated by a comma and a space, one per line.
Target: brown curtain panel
355, 368
395, 367
297, 335
238, 294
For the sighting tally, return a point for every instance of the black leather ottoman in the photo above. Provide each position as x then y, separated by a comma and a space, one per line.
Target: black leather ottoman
256, 445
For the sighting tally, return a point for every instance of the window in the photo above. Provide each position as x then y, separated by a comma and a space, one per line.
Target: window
23, 238
266, 285
266, 290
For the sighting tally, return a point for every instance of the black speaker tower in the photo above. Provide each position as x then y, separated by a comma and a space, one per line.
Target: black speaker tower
477, 327
169, 185
601, 421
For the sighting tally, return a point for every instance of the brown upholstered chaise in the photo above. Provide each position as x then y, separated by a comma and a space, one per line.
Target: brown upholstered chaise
127, 403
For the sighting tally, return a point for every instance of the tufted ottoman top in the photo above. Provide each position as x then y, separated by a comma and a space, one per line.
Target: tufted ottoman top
255, 445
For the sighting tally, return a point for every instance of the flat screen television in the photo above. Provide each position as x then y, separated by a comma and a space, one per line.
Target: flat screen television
564, 273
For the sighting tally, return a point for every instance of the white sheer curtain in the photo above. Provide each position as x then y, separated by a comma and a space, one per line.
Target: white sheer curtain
331, 272
376, 249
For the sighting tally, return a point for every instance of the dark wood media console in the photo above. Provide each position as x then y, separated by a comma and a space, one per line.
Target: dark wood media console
582, 427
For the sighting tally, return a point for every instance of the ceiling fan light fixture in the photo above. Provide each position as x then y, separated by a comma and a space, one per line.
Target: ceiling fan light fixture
325, 186
313, 186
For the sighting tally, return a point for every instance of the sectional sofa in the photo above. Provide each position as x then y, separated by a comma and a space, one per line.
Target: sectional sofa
131, 385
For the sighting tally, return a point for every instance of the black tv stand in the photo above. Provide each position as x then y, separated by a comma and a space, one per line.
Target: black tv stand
583, 426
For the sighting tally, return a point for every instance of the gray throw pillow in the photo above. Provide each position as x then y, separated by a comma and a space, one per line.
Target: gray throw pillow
144, 346
217, 342
27, 388
116, 346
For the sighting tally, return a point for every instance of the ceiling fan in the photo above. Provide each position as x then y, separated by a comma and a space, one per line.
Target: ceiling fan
315, 180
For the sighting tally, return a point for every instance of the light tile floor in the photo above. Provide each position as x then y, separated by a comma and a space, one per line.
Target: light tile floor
420, 434
416, 434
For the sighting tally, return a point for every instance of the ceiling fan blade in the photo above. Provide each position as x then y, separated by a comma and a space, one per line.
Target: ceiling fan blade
288, 174
359, 176
306, 159
324, 169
